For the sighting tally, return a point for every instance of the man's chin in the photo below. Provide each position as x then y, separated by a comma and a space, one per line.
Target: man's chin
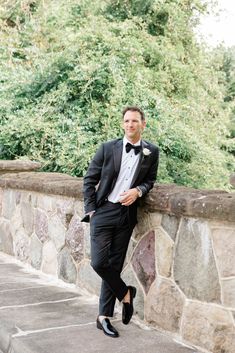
133, 138
131, 135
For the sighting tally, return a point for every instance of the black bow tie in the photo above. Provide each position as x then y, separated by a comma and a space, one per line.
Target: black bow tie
129, 146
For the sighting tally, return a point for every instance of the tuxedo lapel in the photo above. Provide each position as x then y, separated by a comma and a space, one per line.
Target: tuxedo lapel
142, 160
117, 155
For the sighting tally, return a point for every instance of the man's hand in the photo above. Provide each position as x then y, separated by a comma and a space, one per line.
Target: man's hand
128, 197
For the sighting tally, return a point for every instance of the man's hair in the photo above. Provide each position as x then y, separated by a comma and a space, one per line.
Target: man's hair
133, 109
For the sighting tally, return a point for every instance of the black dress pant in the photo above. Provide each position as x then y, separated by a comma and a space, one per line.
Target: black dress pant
110, 236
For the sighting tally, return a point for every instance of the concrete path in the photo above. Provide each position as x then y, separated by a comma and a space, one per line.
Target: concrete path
41, 315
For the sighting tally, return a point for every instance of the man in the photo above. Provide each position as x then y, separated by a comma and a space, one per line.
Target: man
124, 170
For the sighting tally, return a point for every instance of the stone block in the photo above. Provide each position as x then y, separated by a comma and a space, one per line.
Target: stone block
25, 196
143, 260
27, 217
16, 221
130, 278
1, 199
66, 268
18, 196
47, 203
208, 326
48, 316
44, 183
34, 199
88, 278
219, 206
67, 219
36, 295
228, 290
87, 243
49, 258
8, 203
233, 313
159, 197
35, 252
85, 338
75, 238
215, 224
155, 219
56, 231
65, 210
164, 305
195, 269
189, 202
143, 225
21, 245
130, 251
18, 165
170, 224
12, 274
164, 246
41, 225
224, 245
6, 241
29, 197
64, 205
79, 208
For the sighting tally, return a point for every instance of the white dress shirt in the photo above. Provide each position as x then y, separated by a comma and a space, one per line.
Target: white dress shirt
127, 170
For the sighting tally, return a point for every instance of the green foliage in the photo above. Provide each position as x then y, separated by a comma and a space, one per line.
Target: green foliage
226, 59
70, 66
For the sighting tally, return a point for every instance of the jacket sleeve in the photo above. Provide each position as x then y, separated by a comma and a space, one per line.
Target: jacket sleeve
147, 184
91, 179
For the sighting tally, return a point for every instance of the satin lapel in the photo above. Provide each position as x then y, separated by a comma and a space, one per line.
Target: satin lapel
117, 155
141, 160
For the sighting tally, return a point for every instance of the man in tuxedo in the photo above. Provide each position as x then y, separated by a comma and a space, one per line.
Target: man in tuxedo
121, 171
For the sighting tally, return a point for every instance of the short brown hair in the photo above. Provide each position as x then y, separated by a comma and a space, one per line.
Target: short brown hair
133, 109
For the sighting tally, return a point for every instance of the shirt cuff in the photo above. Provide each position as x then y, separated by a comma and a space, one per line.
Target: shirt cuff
140, 193
90, 214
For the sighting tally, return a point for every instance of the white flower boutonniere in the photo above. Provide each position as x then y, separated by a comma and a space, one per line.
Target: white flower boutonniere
146, 152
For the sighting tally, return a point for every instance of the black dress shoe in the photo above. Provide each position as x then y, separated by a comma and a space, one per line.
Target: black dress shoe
127, 308
107, 328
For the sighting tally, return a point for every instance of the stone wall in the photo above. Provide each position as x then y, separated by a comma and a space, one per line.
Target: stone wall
180, 258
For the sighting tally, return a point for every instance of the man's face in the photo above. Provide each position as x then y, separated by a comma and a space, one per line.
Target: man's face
133, 126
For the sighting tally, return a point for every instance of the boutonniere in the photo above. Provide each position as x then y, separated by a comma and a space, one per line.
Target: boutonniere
146, 152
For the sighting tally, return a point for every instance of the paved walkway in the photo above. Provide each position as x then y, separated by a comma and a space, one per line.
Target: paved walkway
42, 315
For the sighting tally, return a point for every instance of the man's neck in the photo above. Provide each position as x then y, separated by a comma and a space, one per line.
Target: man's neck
133, 141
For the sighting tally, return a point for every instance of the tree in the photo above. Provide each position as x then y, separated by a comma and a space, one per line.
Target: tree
71, 66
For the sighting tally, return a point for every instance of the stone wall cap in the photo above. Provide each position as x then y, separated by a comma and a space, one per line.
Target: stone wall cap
15, 166
47, 183
165, 198
186, 201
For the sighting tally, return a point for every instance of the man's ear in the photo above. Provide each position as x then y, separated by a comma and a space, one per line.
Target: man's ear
144, 123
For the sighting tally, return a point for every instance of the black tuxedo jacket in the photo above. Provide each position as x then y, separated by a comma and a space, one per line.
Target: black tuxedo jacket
103, 171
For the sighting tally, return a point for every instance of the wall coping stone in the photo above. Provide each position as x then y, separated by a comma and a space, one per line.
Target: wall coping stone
166, 198
47, 183
197, 203
15, 166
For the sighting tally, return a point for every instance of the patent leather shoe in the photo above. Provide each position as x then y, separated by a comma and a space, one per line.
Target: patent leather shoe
107, 328
127, 308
